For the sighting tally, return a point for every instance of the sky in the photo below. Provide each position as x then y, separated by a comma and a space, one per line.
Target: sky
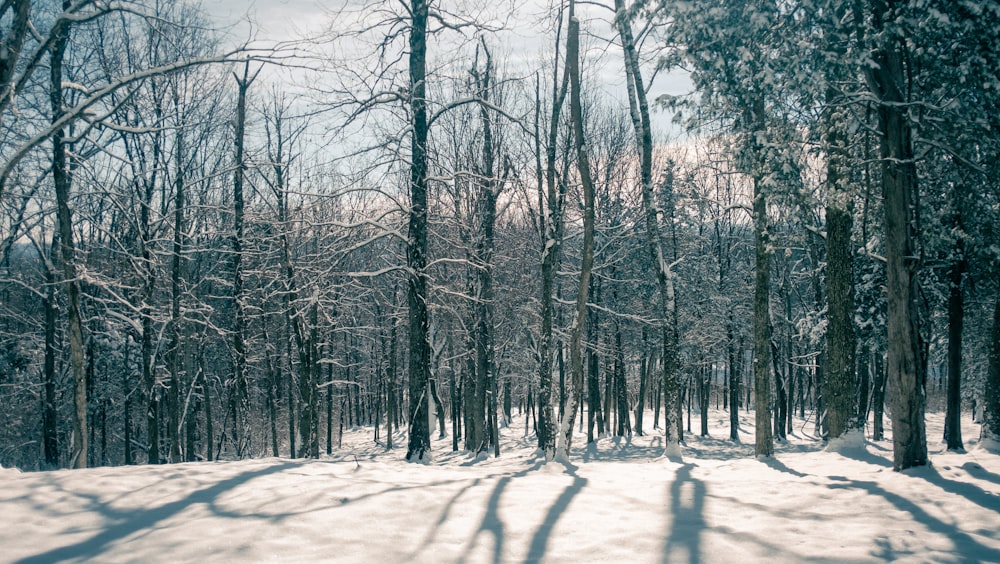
526, 39
617, 501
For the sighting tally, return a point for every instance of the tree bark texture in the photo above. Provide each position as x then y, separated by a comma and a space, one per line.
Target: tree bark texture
639, 111
62, 180
840, 384
905, 368
418, 448
574, 387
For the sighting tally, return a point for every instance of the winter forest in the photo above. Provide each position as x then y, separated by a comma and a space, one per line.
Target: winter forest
429, 225
750, 243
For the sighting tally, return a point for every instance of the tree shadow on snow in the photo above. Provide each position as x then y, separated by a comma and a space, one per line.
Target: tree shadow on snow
540, 540
862, 454
493, 525
971, 492
980, 473
965, 546
129, 522
774, 463
687, 511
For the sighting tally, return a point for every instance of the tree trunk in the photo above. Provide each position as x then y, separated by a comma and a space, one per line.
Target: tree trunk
485, 380
50, 440
644, 367
240, 406
390, 417
419, 445
734, 385
550, 205
207, 395
62, 180
624, 423
906, 369
991, 400
764, 445
175, 414
127, 405
840, 384
639, 111
594, 412
574, 386
956, 315
704, 397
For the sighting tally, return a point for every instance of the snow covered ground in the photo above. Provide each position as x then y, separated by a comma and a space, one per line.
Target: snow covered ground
619, 502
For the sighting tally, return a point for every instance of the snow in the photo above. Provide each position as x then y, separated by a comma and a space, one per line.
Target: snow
622, 500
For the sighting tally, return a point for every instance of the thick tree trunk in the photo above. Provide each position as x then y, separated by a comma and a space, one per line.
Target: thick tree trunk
206, 392
906, 369
418, 448
127, 405
329, 409
840, 384
308, 366
764, 445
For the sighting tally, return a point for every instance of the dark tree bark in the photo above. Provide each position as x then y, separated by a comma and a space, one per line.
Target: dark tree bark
644, 369
127, 404
734, 384
887, 79
624, 423
62, 180
418, 448
390, 418
956, 318
840, 383
574, 386
991, 400
639, 110
240, 398
595, 415
175, 415
550, 214
50, 437
485, 375
764, 445
206, 392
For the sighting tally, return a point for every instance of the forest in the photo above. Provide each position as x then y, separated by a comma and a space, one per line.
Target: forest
419, 217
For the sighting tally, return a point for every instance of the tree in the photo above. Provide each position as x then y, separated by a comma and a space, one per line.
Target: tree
551, 200
991, 407
416, 251
61, 177
887, 81
639, 110
574, 387
240, 398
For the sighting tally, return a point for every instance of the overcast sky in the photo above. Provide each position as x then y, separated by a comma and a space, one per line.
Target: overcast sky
526, 40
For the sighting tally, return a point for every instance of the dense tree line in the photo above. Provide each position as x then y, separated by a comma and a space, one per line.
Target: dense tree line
428, 236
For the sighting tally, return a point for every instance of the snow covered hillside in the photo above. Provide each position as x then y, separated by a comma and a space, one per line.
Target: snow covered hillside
619, 502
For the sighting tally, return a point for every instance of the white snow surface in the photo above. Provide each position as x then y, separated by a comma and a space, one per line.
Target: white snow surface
619, 501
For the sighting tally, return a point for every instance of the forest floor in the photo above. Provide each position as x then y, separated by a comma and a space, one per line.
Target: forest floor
621, 501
